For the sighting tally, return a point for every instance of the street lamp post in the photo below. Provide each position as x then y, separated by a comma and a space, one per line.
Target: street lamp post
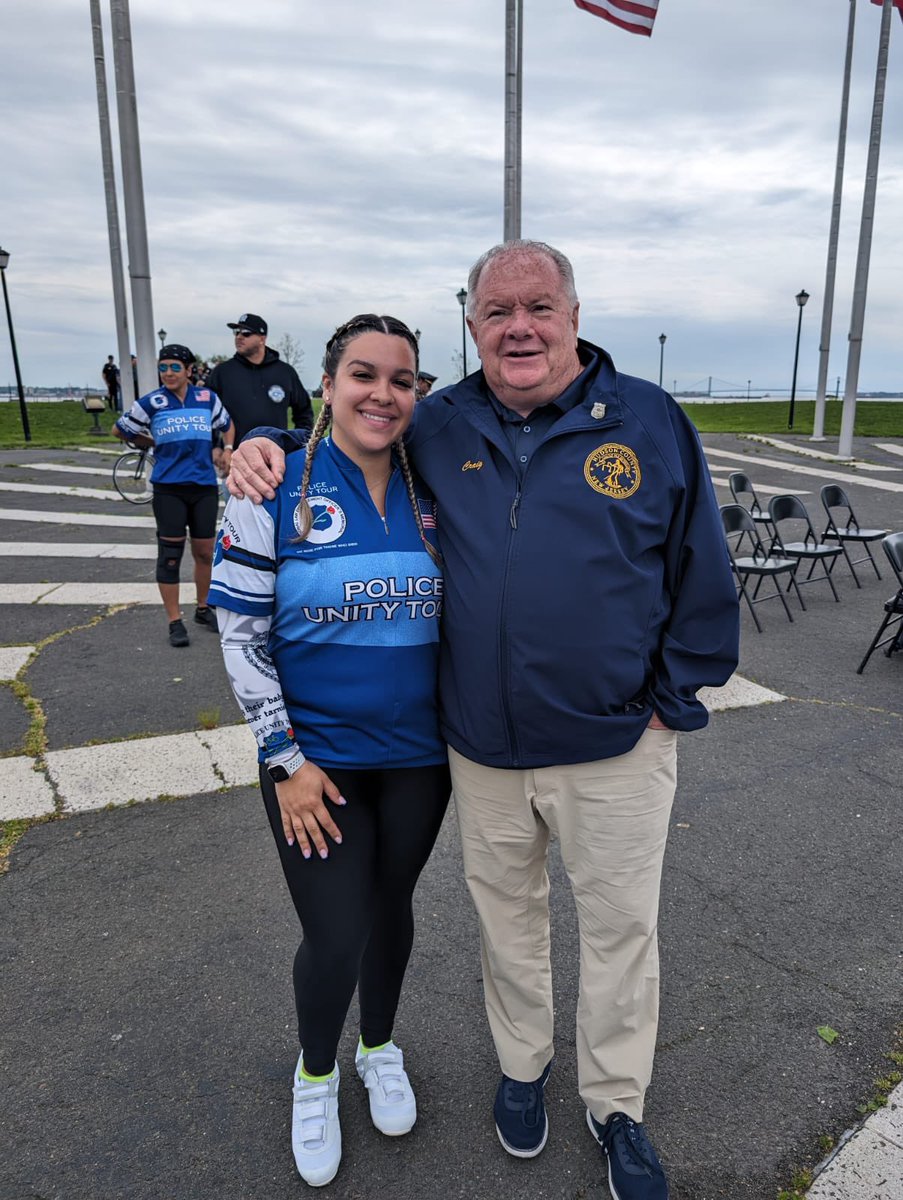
161, 334
462, 300
662, 338
801, 297
26, 428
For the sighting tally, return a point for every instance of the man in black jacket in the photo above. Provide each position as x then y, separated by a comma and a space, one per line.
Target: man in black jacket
255, 385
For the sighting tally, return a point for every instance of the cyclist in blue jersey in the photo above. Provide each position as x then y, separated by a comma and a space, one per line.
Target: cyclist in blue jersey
329, 598
178, 420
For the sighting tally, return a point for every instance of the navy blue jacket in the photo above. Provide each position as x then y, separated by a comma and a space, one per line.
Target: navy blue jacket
596, 590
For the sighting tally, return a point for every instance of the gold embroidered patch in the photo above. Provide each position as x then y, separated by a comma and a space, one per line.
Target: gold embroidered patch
473, 466
613, 470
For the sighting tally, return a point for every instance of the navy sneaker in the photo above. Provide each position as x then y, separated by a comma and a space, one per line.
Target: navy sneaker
206, 616
520, 1115
634, 1172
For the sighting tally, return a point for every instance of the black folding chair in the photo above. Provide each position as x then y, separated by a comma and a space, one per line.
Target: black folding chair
741, 485
893, 608
790, 510
737, 521
850, 530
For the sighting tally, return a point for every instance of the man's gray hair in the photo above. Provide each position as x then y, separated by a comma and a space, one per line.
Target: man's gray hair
521, 246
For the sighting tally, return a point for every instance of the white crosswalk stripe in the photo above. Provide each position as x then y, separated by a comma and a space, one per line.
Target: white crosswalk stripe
824, 455
49, 489
825, 475
77, 550
76, 518
67, 468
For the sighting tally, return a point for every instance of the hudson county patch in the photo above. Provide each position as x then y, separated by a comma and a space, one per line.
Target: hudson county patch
613, 470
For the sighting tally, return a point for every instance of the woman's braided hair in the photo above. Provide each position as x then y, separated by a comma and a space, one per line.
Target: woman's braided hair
335, 349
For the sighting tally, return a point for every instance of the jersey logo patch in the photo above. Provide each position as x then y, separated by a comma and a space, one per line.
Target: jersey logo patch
158, 401
328, 520
276, 393
613, 470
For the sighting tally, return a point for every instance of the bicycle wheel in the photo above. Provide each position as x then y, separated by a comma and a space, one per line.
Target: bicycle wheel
131, 476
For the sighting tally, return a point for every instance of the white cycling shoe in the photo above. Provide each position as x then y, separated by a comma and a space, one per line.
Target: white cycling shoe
316, 1133
393, 1108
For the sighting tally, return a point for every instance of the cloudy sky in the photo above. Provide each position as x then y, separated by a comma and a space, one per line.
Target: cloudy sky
309, 160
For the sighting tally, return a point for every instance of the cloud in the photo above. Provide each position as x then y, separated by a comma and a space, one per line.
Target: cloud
307, 161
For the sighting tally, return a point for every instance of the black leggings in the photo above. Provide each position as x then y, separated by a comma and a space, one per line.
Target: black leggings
355, 906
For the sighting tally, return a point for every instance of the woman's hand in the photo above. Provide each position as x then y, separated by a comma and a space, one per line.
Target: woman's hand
302, 803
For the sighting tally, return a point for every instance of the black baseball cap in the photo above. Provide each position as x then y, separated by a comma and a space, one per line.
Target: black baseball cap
251, 322
427, 376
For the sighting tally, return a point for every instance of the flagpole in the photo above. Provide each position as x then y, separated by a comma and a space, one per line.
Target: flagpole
514, 55
860, 286
120, 308
818, 428
133, 193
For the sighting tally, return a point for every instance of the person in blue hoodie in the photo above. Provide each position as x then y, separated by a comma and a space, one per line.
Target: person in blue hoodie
588, 597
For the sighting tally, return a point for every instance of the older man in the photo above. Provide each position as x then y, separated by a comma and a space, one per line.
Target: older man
588, 598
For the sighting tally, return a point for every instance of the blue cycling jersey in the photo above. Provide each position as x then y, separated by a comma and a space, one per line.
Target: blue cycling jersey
350, 615
182, 432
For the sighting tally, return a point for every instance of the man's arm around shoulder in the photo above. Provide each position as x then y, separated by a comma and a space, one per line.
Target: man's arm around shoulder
258, 465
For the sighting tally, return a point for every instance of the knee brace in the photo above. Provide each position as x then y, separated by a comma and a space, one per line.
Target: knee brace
169, 555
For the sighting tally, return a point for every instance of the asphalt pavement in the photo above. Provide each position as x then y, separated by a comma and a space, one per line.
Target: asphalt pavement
147, 1013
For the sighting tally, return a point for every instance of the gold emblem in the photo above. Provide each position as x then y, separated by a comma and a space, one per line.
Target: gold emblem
473, 466
613, 470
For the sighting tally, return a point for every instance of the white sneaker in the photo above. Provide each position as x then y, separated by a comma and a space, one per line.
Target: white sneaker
393, 1108
316, 1134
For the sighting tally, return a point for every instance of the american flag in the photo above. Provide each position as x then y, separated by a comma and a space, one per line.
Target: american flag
427, 513
898, 5
631, 15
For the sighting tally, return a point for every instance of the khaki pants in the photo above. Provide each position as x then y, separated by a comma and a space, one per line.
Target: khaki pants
611, 818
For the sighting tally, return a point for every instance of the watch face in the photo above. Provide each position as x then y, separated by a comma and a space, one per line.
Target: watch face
278, 774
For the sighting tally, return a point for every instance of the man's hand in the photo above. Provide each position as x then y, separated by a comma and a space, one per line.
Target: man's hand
304, 812
655, 722
258, 467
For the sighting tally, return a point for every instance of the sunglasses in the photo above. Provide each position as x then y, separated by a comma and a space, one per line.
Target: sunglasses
176, 368
245, 333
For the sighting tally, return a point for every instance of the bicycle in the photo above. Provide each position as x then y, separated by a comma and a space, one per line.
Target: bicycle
131, 474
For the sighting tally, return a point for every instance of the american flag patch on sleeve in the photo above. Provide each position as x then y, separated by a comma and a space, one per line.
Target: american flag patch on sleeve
427, 513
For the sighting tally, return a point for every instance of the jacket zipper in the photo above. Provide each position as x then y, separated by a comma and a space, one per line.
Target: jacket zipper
504, 656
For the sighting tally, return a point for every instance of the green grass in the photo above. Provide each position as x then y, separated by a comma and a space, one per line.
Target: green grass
67, 424
63, 424
874, 418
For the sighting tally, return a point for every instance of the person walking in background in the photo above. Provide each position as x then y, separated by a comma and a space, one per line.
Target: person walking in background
588, 597
424, 382
255, 385
110, 374
329, 600
178, 420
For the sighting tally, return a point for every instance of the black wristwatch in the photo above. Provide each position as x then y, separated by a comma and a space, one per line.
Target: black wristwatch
280, 772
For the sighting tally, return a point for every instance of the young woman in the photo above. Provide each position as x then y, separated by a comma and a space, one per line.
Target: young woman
329, 599
178, 420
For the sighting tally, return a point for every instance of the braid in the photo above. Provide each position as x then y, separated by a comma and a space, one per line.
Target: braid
415, 507
305, 516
